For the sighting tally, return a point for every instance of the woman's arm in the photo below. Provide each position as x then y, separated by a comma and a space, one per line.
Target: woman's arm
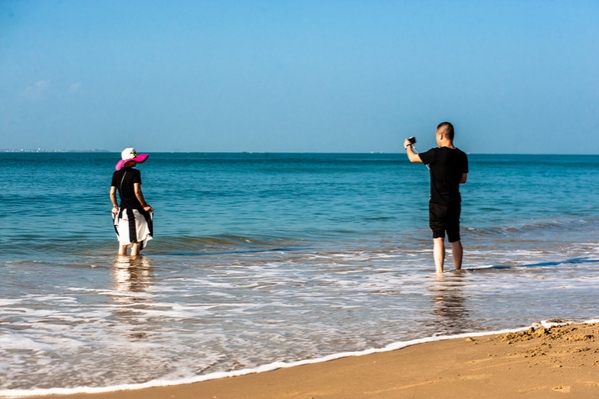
140, 197
115, 205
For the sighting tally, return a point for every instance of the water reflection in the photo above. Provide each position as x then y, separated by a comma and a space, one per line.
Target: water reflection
451, 315
132, 277
132, 274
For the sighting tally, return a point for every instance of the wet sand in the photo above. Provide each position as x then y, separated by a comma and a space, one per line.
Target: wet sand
556, 362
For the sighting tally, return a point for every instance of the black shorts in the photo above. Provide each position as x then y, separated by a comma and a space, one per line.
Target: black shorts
445, 218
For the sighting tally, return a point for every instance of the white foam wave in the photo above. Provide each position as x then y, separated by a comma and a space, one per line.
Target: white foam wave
263, 368
14, 341
9, 302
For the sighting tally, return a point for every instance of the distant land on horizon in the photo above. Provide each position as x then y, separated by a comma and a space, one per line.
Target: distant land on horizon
41, 150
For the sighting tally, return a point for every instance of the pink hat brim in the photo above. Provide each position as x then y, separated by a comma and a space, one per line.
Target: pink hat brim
140, 158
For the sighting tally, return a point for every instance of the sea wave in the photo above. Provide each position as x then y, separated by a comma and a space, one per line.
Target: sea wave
551, 225
271, 366
161, 245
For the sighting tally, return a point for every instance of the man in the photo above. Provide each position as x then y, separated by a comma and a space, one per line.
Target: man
448, 169
133, 219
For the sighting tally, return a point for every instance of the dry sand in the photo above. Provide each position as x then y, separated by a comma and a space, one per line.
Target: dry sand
558, 362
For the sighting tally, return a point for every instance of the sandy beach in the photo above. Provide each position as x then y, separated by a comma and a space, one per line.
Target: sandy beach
560, 362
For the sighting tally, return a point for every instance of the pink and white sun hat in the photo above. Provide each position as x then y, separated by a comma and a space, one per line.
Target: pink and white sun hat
130, 155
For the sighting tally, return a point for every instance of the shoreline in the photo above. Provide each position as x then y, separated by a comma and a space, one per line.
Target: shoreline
534, 362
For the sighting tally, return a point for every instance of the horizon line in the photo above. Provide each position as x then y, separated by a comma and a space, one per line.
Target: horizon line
40, 150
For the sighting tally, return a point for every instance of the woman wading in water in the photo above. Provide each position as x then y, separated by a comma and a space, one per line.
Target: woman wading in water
133, 219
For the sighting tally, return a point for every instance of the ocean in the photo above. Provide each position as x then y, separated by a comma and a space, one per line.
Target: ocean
261, 259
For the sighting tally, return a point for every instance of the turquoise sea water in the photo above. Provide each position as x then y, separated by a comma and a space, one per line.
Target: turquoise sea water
261, 258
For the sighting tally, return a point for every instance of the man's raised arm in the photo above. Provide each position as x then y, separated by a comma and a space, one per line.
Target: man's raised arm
412, 156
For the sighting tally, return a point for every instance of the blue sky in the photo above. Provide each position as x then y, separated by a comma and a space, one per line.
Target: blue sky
299, 76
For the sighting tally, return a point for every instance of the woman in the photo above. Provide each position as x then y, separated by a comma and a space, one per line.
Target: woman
133, 219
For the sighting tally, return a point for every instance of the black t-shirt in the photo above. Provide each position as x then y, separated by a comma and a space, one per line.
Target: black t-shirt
123, 180
447, 166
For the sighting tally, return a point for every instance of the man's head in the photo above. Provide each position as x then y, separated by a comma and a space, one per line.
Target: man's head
444, 134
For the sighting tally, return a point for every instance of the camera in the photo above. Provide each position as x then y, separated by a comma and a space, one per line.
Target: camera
411, 140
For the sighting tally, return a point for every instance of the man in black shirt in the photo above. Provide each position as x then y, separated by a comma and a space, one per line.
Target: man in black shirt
448, 169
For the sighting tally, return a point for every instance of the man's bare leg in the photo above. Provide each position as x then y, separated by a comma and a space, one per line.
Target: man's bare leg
135, 248
457, 253
439, 253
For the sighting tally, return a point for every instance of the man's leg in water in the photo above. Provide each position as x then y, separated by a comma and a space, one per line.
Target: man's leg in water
439, 253
457, 253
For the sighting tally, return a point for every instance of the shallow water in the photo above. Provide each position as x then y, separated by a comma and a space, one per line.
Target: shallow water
260, 258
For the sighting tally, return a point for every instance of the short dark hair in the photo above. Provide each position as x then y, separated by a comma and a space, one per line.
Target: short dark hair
447, 129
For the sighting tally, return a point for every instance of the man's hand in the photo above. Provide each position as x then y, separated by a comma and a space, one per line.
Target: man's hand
412, 156
148, 208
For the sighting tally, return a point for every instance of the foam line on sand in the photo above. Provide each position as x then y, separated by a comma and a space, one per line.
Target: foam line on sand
540, 361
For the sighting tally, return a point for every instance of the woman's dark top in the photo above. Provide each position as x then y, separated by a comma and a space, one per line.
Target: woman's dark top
123, 180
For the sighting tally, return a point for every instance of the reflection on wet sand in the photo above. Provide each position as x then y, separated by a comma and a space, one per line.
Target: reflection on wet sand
449, 307
132, 276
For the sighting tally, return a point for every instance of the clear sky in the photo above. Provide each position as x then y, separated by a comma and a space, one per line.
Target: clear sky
299, 76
